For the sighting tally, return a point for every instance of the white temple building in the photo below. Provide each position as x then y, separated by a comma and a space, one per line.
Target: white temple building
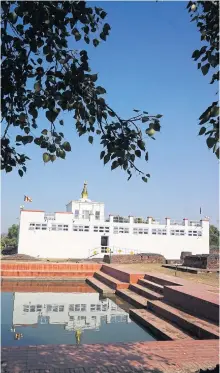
83, 232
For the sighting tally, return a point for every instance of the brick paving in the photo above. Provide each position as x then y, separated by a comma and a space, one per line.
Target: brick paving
152, 357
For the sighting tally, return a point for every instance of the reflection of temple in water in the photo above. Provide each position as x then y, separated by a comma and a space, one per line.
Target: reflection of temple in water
75, 311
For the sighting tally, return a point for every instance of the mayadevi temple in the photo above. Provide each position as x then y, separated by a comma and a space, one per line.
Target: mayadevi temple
82, 232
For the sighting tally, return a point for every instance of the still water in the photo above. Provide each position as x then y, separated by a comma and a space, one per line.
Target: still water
33, 318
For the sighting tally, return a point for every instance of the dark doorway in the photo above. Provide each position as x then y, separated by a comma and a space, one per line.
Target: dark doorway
104, 244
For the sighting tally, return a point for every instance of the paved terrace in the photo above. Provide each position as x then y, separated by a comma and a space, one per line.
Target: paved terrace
151, 357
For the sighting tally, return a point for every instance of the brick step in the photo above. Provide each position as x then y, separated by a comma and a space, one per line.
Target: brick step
196, 301
99, 286
195, 326
39, 266
160, 280
141, 290
110, 281
159, 327
151, 285
132, 298
25, 273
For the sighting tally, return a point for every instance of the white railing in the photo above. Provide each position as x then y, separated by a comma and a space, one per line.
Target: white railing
194, 223
112, 250
120, 219
140, 221
176, 222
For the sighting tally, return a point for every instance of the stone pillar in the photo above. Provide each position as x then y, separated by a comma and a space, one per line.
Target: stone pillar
167, 221
186, 222
149, 219
111, 218
131, 219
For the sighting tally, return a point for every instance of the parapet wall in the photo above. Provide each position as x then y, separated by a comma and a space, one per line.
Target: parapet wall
136, 258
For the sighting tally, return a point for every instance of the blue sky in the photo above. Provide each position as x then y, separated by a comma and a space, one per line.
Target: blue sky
146, 64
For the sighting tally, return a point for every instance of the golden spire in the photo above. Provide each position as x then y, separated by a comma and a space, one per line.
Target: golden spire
84, 193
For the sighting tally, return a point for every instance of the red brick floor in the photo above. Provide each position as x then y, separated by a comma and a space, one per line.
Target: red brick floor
152, 357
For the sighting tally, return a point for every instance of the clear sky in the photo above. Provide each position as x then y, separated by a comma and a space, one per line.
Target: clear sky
146, 64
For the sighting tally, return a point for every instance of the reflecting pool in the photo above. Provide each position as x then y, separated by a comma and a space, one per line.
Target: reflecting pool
78, 317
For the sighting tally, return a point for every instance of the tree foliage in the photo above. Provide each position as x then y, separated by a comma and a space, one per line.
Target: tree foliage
44, 73
11, 239
213, 236
206, 16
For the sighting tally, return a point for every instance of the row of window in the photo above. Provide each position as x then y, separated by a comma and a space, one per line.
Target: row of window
116, 230
86, 214
72, 307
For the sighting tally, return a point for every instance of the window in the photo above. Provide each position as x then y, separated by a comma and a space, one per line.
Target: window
195, 233
25, 308
117, 230
159, 231
32, 308
61, 308
80, 228
37, 226
140, 231
100, 229
97, 215
60, 227
76, 215
85, 214
177, 232
77, 307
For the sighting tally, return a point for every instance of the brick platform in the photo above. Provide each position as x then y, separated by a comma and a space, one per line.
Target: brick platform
149, 357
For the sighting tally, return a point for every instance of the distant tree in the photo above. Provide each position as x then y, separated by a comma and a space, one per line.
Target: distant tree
44, 72
213, 236
11, 239
206, 16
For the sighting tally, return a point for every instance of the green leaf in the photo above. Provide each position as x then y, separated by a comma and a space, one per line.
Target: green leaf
196, 54
144, 179
61, 153
100, 90
33, 112
19, 138
102, 154
67, 146
141, 144
44, 132
202, 131
13, 17
210, 142
52, 115
52, 157
107, 158
61, 122
214, 111
114, 165
46, 157
95, 42
39, 60
205, 68
145, 119
159, 116
146, 156
77, 36
27, 139
103, 14
138, 153
37, 87
90, 139
102, 36
21, 173
136, 110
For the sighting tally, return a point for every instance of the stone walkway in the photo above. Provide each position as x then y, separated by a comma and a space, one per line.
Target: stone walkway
148, 357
